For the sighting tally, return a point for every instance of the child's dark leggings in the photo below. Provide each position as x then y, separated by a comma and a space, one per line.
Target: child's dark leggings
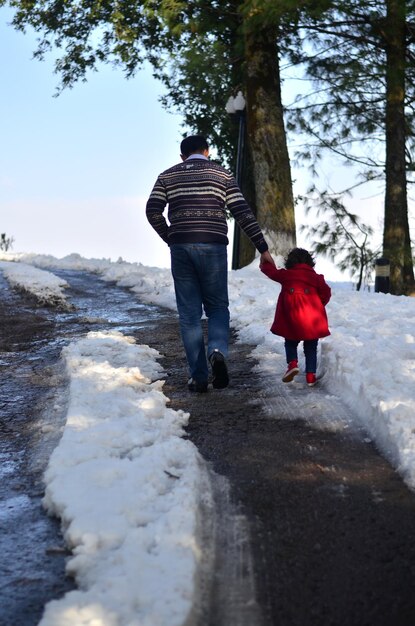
310, 353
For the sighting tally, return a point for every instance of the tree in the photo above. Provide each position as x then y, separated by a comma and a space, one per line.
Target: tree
267, 136
341, 237
359, 58
396, 236
241, 53
6, 243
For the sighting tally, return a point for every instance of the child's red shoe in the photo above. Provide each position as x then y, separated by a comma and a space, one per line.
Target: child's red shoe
291, 372
311, 379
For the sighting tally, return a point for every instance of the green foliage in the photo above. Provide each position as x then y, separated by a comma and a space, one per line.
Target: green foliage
341, 236
201, 71
6, 243
89, 32
343, 54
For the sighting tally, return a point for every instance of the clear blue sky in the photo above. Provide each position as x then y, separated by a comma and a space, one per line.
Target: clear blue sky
75, 170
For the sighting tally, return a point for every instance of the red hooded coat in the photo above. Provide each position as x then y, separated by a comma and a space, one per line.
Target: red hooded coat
300, 312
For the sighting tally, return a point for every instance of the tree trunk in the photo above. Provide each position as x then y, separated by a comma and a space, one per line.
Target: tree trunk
247, 248
396, 237
266, 140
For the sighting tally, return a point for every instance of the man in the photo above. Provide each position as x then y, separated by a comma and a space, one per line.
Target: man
198, 193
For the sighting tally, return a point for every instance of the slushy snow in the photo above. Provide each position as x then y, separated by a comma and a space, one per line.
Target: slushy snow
44, 286
127, 488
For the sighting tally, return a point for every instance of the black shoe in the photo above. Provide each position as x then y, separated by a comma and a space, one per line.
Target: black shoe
193, 385
220, 377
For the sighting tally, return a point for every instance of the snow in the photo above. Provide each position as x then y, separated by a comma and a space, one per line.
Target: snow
126, 486
44, 286
115, 411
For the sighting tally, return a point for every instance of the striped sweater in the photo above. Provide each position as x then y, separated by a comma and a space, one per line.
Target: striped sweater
198, 193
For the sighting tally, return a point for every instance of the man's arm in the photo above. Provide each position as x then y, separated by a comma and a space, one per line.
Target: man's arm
244, 216
154, 210
266, 258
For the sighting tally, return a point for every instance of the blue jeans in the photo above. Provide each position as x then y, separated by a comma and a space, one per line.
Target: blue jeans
310, 353
200, 274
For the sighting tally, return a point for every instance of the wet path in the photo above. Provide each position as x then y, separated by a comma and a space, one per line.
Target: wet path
27, 571
32, 411
331, 524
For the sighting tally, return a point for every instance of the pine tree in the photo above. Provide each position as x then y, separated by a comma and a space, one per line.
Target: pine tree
359, 56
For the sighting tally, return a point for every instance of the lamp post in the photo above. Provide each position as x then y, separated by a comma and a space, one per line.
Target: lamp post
236, 106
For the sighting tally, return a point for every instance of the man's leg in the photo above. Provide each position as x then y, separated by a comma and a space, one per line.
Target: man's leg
214, 281
189, 306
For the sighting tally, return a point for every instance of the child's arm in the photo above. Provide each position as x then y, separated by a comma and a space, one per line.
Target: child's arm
271, 271
324, 291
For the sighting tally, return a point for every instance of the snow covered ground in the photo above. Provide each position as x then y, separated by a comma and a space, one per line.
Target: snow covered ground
127, 486
44, 286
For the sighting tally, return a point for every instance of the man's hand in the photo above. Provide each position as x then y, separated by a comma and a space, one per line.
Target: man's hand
266, 258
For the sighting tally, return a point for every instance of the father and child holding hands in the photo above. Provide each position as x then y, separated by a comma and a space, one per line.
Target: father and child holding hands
198, 192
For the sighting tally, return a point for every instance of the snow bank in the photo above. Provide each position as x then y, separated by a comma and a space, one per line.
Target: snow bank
153, 284
127, 488
44, 286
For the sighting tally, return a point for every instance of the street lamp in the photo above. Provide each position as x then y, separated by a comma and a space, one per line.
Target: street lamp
236, 106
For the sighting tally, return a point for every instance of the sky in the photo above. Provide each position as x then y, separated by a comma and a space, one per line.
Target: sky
76, 170
129, 489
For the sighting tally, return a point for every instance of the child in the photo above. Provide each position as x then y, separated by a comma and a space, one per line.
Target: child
300, 313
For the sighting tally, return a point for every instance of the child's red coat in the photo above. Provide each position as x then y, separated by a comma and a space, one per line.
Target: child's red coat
300, 312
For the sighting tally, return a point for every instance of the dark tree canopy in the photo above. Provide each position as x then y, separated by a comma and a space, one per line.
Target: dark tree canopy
360, 59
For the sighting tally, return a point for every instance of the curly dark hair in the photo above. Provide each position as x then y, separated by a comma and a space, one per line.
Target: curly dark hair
298, 255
